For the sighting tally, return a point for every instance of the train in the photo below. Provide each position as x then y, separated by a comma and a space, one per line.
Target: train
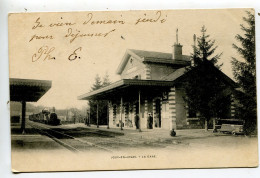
45, 117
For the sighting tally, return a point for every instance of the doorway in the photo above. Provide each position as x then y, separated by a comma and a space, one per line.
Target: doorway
157, 114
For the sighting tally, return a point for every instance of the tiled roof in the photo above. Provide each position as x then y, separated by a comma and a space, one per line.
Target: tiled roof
182, 71
151, 54
114, 89
174, 75
29, 82
28, 89
159, 57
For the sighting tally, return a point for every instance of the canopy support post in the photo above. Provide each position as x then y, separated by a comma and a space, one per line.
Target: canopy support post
89, 116
108, 115
97, 116
139, 112
121, 114
23, 116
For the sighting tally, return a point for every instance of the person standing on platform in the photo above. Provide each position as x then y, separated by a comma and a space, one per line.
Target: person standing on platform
137, 121
150, 121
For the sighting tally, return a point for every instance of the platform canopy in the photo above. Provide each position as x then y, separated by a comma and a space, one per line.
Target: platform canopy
127, 87
28, 90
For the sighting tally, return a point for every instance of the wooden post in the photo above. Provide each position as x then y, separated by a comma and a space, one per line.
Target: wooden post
214, 123
86, 120
74, 116
206, 124
121, 111
23, 116
97, 117
108, 115
89, 117
67, 115
139, 112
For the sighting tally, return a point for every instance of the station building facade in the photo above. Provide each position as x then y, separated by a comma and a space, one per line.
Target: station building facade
150, 85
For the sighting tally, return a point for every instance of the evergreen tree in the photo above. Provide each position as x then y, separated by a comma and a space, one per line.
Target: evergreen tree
93, 103
102, 105
97, 84
245, 73
206, 49
206, 93
106, 80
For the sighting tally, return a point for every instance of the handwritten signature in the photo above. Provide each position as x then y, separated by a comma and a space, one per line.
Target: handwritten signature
46, 53
74, 55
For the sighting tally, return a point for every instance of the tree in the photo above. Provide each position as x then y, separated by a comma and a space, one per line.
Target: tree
106, 80
102, 105
206, 49
245, 74
93, 103
206, 92
98, 83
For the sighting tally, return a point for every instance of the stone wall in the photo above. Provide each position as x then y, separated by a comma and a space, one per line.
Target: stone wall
172, 108
181, 120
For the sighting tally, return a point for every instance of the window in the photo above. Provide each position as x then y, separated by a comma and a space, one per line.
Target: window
131, 61
137, 77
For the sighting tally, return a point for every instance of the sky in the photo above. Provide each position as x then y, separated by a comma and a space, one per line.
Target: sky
99, 55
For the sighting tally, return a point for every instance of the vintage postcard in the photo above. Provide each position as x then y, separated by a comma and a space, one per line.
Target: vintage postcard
122, 90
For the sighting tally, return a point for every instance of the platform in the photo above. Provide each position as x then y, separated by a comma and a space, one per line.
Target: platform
30, 140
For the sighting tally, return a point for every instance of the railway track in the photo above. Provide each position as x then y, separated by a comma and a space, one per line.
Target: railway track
67, 141
93, 139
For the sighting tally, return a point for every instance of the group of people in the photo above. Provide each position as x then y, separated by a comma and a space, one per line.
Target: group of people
149, 121
137, 121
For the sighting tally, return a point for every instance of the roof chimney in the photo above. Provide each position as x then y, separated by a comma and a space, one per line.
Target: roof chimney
177, 49
192, 59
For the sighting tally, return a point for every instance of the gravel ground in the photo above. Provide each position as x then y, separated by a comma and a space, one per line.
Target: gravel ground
131, 149
115, 139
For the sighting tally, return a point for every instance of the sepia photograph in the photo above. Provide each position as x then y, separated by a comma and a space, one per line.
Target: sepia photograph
130, 90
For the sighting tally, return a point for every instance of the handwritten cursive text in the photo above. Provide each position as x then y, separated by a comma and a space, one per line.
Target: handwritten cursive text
77, 34
99, 22
151, 20
39, 37
74, 55
37, 24
44, 53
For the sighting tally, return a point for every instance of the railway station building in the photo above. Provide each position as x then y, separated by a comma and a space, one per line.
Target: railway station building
151, 85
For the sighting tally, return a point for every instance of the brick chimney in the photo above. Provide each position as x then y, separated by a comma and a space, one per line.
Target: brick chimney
192, 62
177, 52
177, 49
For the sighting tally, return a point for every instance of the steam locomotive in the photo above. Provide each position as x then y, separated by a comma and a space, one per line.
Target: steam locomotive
45, 117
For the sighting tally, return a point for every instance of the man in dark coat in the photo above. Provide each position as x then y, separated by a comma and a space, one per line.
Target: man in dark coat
150, 121
137, 121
